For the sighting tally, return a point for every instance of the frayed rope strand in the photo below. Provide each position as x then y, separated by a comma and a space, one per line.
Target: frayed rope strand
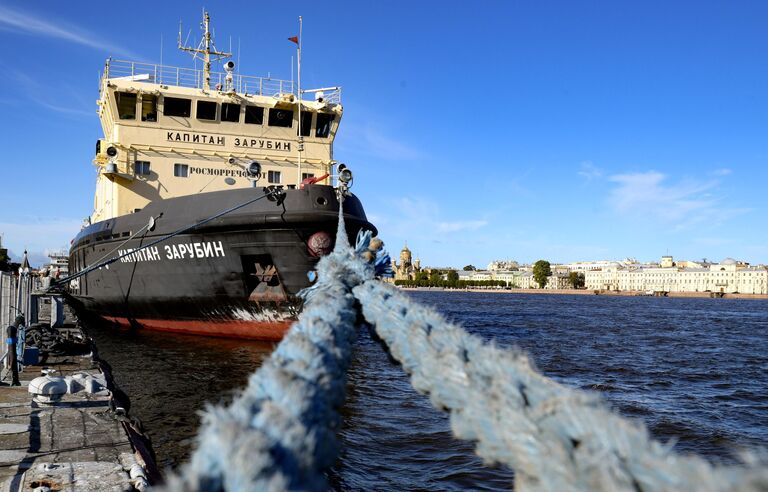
555, 438
280, 432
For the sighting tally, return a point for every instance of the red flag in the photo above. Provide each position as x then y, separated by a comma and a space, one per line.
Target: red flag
295, 39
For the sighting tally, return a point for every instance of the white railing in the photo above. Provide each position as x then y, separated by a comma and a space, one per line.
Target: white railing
189, 77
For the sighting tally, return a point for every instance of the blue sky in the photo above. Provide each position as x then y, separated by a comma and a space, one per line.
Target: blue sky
567, 131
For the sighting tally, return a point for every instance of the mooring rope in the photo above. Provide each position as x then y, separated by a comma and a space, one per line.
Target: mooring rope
279, 434
267, 192
554, 438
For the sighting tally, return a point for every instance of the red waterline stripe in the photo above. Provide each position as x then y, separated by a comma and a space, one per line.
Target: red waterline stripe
254, 330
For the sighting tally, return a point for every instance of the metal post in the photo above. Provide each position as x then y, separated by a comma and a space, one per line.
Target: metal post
17, 293
3, 309
34, 310
300, 143
30, 281
57, 311
2, 300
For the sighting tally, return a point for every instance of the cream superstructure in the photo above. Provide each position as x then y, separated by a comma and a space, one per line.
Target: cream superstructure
173, 131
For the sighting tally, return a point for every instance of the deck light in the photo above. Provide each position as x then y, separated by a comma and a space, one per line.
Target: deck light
345, 175
254, 170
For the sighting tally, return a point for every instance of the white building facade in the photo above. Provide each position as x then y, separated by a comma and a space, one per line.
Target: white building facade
727, 277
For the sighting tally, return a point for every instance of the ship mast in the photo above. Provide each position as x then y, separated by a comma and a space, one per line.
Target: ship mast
206, 48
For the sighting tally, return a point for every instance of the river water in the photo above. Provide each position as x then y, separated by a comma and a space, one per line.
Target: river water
694, 370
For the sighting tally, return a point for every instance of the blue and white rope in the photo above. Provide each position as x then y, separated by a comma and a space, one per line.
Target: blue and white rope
555, 438
279, 434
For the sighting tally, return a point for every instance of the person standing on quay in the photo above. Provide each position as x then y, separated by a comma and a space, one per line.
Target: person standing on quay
11, 334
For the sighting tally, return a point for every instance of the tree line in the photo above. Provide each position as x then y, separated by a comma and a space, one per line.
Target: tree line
457, 284
542, 270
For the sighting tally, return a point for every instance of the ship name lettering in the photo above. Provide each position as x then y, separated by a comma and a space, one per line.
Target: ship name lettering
207, 249
209, 171
195, 138
133, 255
262, 144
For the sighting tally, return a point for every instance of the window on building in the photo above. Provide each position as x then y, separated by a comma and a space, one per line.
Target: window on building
323, 125
174, 106
273, 176
126, 105
306, 124
230, 112
307, 175
206, 110
148, 107
141, 168
280, 117
181, 170
254, 115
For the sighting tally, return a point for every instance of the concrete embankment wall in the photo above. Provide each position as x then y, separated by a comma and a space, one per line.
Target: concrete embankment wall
588, 292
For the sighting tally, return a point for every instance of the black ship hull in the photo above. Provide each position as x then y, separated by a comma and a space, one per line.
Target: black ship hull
235, 276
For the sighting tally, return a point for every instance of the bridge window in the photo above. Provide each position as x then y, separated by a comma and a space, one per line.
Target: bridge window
323, 128
273, 176
181, 170
307, 175
280, 117
174, 106
306, 123
141, 168
148, 107
230, 112
254, 115
206, 110
126, 105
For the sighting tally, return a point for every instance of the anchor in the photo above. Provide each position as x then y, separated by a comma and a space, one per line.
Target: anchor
269, 288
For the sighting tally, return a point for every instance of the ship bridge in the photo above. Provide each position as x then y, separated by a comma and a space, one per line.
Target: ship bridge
172, 131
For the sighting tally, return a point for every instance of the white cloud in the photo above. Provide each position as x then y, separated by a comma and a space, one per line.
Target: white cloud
36, 93
467, 225
649, 195
24, 23
589, 171
374, 141
419, 219
383, 144
723, 171
39, 235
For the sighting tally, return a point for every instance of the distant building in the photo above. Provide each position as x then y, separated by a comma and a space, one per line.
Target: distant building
3, 255
584, 266
519, 279
728, 277
507, 265
407, 268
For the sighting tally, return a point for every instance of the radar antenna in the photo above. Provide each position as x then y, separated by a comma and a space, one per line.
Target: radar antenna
206, 48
